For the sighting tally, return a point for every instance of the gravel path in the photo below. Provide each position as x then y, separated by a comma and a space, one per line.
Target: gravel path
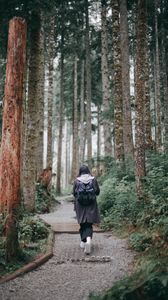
70, 274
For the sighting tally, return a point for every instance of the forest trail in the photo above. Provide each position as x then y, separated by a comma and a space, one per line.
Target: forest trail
70, 274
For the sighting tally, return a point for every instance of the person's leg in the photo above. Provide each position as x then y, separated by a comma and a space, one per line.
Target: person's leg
82, 232
89, 234
89, 230
82, 235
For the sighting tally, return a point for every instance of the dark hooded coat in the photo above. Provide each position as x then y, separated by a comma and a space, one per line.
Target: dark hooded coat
89, 214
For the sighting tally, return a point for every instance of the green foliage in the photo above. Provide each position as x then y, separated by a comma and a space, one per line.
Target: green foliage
118, 202
120, 205
43, 200
31, 230
140, 241
140, 286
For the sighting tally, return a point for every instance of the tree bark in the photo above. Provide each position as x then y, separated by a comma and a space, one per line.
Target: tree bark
30, 156
127, 120
158, 104
118, 105
75, 152
140, 98
11, 133
165, 80
50, 92
41, 78
98, 139
147, 105
105, 82
88, 89
82, 112
60, 130
68, 146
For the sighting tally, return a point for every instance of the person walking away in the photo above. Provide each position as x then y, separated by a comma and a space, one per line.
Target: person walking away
85, 190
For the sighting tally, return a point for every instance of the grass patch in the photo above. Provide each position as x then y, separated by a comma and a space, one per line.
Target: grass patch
33, 235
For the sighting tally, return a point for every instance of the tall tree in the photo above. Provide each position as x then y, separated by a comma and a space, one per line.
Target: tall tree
118, 105
40, 100
147, 106
75, 147
127, 120
88, 87
50, 90
82, 112
98, 139
60, 124
105, 81
157, 82
11, 134
140, 98
165, 79
30, 171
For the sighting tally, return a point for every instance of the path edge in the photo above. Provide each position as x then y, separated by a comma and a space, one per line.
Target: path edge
35, 263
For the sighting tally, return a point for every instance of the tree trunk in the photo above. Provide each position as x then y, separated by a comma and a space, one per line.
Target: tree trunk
30, 156
158, 105
60, 130
118, 105
11, 133
50, 92
68, 146
105, 82
82, 112
127, 120
75, 147
147, 105
40, 148
88, 89
165, 81
98, 139
2, 84
140, 98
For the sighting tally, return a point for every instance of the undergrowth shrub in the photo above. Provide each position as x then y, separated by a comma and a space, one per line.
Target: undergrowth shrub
140, 241
32, 234
31, 230
42, 200
119, 206
118, 203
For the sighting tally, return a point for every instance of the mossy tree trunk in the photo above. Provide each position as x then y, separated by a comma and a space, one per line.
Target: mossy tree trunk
88, 88
50, 92
165, 79
147, 106
107, 123
118, 104
11, 134
75, 147
127, 120
32, 126
98, 139
60, 121
82, 112
140, 99
40, 148
158, 137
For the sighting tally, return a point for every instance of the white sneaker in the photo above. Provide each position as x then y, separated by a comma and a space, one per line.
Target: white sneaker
88, 245
82, 245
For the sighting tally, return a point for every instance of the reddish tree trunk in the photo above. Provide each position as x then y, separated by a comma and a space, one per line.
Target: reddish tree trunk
11, 131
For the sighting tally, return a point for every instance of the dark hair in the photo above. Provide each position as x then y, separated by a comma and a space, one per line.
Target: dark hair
84, 170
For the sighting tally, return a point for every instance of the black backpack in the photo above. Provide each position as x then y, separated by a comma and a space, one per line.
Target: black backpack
85, 193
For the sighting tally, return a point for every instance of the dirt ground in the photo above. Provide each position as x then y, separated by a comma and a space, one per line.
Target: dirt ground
70, 274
